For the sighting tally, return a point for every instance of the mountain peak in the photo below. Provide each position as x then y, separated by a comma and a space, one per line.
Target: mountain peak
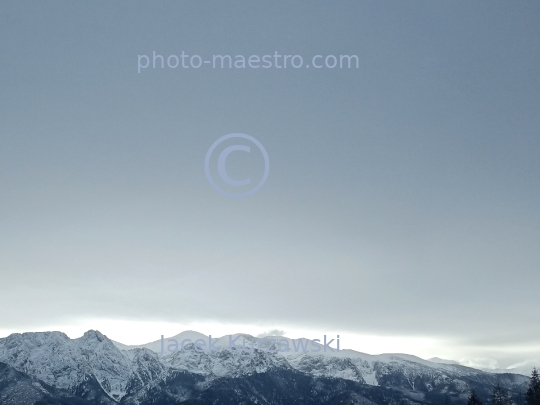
93, 366
95, 334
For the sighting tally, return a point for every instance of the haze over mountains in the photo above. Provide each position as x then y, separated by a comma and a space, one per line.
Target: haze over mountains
50, 367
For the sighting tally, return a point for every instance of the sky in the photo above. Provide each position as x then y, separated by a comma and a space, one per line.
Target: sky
400, 209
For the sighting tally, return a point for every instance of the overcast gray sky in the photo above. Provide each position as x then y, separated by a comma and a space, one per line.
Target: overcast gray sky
402, 198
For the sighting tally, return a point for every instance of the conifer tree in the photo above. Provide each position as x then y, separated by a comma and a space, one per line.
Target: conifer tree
499, 396
474, 399
533, 392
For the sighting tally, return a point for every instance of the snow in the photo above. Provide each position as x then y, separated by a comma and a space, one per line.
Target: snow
121, 370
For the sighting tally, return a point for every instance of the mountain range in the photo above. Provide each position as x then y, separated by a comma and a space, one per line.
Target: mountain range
191, 368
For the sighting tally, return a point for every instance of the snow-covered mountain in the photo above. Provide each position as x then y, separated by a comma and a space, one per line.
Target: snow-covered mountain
442, 361
57, 360
192, 368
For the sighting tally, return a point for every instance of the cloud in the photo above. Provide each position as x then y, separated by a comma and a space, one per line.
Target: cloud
272, 332
485, 363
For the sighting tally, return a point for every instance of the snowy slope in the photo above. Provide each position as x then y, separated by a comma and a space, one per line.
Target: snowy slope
66, 363
93, 363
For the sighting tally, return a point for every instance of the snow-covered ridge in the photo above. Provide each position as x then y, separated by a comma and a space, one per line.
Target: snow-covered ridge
129, 372
299, 348
63, 362
160, 347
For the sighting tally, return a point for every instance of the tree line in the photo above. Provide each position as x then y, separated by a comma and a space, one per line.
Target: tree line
500, 396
